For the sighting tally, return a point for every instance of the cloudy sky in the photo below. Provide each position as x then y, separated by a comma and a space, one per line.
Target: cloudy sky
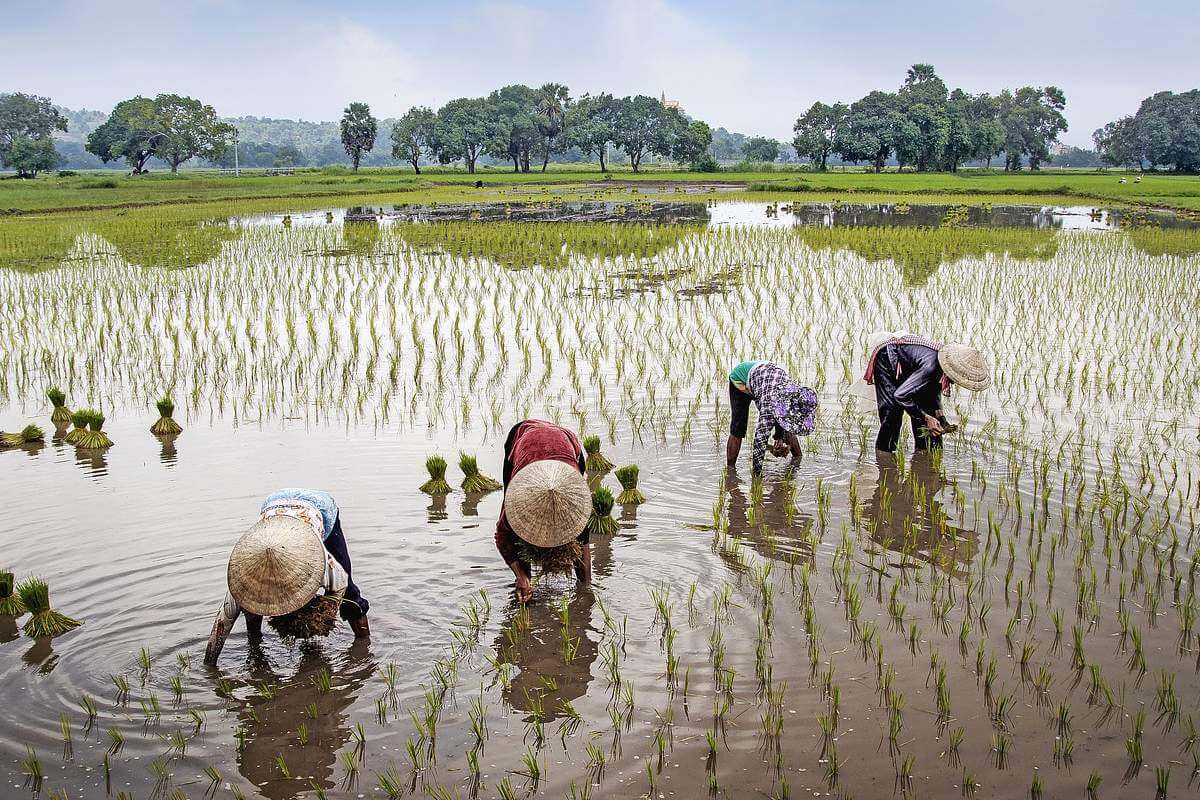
750, 65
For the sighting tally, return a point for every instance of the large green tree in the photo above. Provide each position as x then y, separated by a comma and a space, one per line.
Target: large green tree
817, 132
170, 127
358, 131
591, 125
515, 133
1032, 119
551, 103
642, 128
974, 132
760, 148
27, 125
922, 100
875, 128
463, 128
689, 142
414, 136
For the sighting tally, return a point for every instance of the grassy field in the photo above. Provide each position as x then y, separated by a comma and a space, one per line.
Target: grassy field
114, 190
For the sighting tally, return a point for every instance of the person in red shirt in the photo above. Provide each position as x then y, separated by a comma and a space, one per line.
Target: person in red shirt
547, 501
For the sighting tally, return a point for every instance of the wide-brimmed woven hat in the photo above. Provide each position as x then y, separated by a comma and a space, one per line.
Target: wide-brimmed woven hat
548, 503
966, 366
277, 566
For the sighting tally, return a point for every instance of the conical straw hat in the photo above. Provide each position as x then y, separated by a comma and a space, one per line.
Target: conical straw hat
277, 566
966, 366
548, 503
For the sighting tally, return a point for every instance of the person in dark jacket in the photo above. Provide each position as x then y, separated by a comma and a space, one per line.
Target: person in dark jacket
911, 374
547, 501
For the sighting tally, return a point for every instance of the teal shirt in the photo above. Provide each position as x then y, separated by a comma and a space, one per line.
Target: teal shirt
741, 373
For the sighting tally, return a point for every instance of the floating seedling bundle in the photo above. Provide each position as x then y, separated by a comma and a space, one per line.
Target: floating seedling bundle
474, 481
166, 425
61, 416
437, 476
630, 494
596, 462
27, 435
561, 559
601, 521
10, 601
94, 438
80, 420
317, 617
45, 621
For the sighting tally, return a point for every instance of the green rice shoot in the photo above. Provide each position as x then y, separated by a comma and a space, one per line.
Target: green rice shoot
596, 462
166, 424
436, 485
61, 416
45, 621
474, 481
601, 523
10, 601
630, 494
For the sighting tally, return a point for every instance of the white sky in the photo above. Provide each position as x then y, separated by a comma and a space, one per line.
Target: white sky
748, 66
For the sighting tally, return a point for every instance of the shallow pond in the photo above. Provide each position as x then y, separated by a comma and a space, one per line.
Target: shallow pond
1020, 610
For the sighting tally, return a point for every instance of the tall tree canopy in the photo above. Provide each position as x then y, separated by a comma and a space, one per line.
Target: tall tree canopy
642, 128
551, 102
171, 127
27, 125
358, 131
1032, 119
592, 125
414, 136
817, 131
760, 148
1164, 132
463, 129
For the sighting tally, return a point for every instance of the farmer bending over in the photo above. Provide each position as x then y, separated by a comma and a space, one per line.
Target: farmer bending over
546, 504
911, 375
785, 408
292, 566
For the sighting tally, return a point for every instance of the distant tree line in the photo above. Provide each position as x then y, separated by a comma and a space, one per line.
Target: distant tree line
925, 126
27, 126
1165, 132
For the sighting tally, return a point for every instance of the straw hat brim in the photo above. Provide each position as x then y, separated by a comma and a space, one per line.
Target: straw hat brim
965, 366
548, 503
277, 566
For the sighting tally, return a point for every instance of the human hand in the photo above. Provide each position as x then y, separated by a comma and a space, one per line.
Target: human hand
524, 589
779, 448
934, 426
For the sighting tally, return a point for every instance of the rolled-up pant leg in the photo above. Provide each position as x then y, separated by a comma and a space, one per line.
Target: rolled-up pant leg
354, 605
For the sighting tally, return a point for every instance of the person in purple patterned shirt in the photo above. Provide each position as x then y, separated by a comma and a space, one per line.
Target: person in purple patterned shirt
785, 410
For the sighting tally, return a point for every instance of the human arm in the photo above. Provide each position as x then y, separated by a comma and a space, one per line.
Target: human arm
506, 545
222, 625
918, 394
583, 568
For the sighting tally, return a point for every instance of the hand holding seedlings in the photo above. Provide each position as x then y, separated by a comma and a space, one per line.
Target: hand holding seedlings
302, 595
546, 504
785, 411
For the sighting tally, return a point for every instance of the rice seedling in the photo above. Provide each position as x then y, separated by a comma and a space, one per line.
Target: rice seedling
436, 485
10, 601
166, 424
595, 461
31, 766
27, 435
601, 522
94, 438
1093, 785
630, 494
60, 417
44, 621
474, 481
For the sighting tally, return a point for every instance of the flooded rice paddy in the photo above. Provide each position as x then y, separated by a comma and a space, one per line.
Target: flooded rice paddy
1015, 618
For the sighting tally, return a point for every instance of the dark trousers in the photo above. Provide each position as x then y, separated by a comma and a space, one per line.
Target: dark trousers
355, 604
891, 413
739, 414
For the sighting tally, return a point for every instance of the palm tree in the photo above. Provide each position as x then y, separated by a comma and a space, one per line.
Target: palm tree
551, 105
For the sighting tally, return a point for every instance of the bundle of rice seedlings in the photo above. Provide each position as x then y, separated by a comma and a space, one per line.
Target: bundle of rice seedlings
596, 462
95, 438
601, 521
80, 420
27, 435
437, 476
559, 559
318, 617
35, 594
474, 481
630, 494
166, 426
61, 416
10, 602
